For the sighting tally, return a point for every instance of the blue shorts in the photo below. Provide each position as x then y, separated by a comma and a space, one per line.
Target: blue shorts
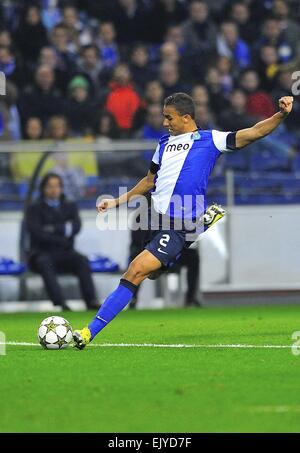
166, 245
166, 240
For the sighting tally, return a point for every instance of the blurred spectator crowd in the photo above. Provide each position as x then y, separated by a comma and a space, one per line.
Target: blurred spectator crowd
87, 68
105, 67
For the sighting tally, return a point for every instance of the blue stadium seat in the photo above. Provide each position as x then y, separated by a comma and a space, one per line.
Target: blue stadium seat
9, 197
250, 199
89, 203
99, 263
22, 188
267, 161
271, 199
91, 181
217, 182
8, 189
291, 184
10, 267
267, 187
296, 164
236, 161
216, 198
258, 184
291, 198
291, 189
216, 190
6, 205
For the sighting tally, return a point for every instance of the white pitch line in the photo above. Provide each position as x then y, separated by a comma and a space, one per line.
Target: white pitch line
16, 343
274, 409
178, 346
182, 346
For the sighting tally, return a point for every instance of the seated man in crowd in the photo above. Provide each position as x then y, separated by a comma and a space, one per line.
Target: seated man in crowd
52, 223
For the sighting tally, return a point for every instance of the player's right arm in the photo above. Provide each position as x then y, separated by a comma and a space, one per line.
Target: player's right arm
142, 187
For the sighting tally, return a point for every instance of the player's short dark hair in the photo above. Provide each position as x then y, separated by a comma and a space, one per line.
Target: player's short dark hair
45, 180
182, 102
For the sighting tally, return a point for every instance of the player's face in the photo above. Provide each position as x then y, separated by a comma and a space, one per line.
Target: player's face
173, 121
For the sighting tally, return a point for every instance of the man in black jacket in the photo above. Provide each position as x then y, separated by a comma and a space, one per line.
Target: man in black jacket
53, 222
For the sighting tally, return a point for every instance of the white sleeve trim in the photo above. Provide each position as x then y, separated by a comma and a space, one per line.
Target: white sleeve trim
219, 139
155, 157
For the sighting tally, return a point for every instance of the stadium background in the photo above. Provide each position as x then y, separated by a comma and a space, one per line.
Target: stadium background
220, 369
72, 66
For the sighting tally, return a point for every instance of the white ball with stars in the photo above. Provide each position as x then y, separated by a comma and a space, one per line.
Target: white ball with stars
55, 332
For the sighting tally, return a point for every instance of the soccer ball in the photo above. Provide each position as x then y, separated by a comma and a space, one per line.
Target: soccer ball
55, 332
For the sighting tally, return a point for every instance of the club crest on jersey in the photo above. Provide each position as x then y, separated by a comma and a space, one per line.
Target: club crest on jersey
196, 136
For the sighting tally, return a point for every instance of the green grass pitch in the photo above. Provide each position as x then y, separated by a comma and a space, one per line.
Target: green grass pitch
152, 389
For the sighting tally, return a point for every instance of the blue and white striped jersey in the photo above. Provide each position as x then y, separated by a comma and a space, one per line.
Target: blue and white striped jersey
184, 163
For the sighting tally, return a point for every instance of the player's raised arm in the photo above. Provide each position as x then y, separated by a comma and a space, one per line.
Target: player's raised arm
259, 130
142, 187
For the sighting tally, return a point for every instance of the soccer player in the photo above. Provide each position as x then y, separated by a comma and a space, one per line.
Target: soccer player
180, 167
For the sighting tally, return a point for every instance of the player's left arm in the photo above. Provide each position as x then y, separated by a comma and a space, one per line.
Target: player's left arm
244, 137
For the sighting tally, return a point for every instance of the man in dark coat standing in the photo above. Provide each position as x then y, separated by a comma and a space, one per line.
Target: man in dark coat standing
52, 223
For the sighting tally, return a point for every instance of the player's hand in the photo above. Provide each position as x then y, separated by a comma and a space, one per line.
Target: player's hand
106, 203
286, 104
